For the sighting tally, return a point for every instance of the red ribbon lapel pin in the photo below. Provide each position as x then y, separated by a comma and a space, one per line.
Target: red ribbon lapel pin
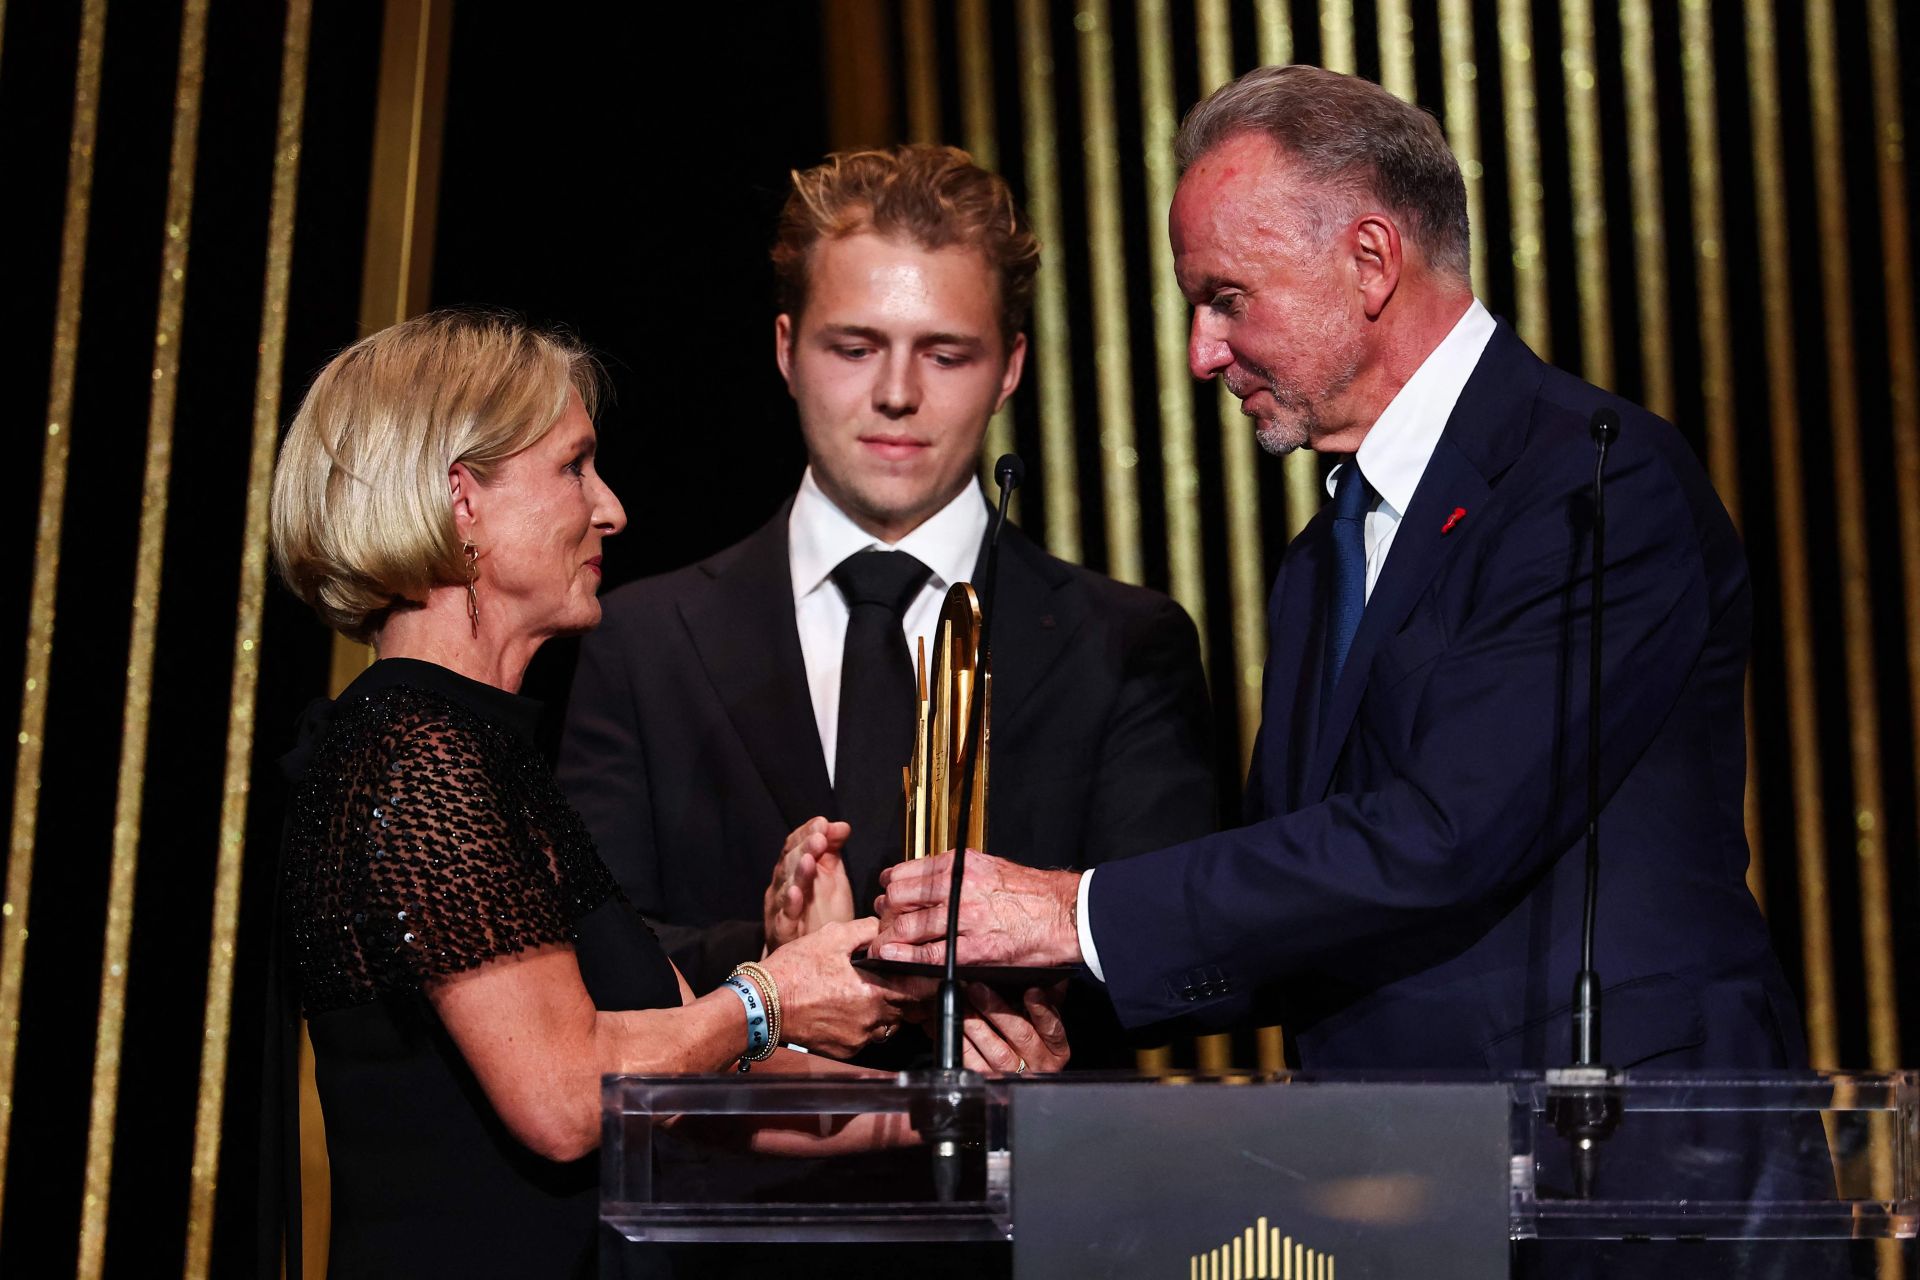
1459, 514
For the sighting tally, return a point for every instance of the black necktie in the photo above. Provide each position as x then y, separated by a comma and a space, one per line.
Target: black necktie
1347, 599
877, 695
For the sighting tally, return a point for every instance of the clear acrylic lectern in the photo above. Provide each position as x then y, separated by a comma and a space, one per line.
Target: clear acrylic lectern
1293, 1176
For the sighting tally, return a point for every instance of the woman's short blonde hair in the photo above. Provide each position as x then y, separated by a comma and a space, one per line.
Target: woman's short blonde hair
362, 517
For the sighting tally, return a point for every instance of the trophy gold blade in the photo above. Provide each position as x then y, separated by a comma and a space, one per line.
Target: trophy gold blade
938, 783
916, 845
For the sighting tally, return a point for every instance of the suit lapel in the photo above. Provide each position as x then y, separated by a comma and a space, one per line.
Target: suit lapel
1290, 707
743, 629
1481, 437
1033, 620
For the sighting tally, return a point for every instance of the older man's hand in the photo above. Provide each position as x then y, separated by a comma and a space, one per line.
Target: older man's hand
1010, 914
1002, 1040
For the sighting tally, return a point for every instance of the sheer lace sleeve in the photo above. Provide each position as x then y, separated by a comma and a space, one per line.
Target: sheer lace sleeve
424, 843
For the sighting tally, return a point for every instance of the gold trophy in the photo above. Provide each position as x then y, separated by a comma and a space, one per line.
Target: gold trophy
946, 735
953, 732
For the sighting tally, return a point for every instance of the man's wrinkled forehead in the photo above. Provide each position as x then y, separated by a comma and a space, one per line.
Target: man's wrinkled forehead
1250, 185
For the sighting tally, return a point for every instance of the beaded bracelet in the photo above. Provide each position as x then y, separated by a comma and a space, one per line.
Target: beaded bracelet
764, 980
760, 1040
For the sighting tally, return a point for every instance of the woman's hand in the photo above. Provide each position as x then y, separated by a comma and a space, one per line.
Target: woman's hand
1001, 1040
828, 1005
809, 888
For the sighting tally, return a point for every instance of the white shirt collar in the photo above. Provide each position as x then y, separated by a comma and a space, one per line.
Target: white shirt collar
1395, 452
820, 535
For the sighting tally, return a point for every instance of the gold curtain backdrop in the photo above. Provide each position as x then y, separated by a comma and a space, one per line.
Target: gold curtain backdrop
1706, 205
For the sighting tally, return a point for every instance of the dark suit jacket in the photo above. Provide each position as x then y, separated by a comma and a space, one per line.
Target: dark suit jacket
1409, 891
692, 751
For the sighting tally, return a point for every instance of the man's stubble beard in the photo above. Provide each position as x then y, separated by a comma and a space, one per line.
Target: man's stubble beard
1297, 423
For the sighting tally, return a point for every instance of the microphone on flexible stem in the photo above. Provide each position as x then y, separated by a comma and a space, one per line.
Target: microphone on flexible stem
946, 1127
1581, 1102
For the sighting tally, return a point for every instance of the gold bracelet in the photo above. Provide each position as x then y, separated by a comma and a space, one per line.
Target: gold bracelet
759, 975
770, 996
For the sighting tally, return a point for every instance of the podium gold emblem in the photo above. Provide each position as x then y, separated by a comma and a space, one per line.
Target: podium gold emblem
1261, 1253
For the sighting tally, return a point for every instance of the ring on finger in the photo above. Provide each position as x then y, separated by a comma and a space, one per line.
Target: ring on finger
1021, 1069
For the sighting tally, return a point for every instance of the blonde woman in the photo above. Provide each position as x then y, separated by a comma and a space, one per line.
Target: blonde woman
467, 967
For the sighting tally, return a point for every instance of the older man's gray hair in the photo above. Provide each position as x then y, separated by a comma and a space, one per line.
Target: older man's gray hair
1353, 137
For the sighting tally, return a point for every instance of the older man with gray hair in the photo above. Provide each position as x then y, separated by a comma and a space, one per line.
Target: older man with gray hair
1408, 890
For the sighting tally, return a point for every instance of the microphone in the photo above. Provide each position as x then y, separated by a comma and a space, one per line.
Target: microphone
1605, 429
1580, 1103
947, 1127
1008, 472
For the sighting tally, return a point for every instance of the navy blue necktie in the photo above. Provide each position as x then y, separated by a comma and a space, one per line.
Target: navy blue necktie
1347, 596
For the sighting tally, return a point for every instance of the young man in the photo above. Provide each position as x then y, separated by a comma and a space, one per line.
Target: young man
719, 709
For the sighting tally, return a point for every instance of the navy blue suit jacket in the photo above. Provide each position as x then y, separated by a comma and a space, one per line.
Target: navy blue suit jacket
1408, 892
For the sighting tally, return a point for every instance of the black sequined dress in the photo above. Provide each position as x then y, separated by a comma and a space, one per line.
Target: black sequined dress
426, 835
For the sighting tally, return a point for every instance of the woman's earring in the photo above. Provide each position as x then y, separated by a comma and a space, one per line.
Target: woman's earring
473, 575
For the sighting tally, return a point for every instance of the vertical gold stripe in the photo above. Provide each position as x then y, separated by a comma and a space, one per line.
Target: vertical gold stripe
1649, 206
974, 34
349, 659
1213, 35
1274, 25
1245, 562
1459, 87
1305, 492
857, 63
1394, 21
403, 195
1336, 36
1715, 328
1589, 191
1816, 929
1710, 271
1270, 1049
1112, 335
1524, 190
137, 707
1897, 251
922, 71
46, 551
1260, 1247
1856, 586
1179, 468
1213, 1054
1050, 336
246, 647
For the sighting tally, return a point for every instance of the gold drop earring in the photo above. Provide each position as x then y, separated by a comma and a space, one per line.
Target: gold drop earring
472, 553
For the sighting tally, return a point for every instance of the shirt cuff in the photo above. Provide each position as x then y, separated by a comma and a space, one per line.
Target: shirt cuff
1084, 926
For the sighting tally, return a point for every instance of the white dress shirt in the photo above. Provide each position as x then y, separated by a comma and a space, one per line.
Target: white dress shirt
1394, 453
820, 535
1393, 456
